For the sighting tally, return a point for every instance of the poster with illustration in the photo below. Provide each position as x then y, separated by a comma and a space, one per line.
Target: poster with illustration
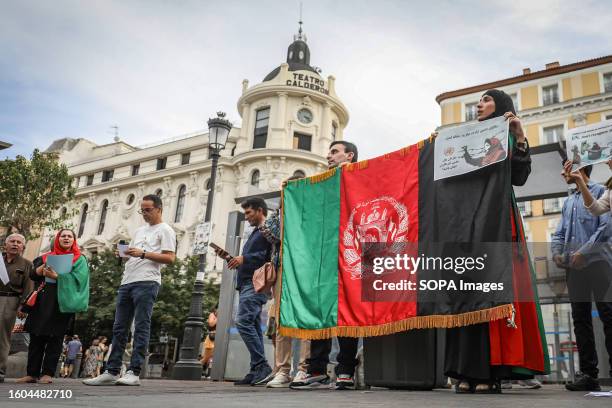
463, 149
590, 144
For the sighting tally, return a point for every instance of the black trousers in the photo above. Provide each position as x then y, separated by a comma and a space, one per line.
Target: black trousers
43, 354
583, 285
319, 356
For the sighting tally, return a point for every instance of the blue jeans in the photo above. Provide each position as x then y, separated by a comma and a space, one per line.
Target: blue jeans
134, 301
249, 325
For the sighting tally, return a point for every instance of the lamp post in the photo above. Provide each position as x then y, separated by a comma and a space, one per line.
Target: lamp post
189, 367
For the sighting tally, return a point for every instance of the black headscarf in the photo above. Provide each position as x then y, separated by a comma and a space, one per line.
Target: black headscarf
503, 103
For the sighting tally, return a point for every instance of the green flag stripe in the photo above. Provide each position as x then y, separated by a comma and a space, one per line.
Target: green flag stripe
311, 221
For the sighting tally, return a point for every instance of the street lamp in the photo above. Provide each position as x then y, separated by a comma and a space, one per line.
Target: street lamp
189, 367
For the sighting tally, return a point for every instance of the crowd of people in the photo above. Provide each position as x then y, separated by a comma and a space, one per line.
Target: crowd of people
467, 359
50, 300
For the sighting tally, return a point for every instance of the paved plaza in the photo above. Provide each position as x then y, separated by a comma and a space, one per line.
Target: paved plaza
171, 394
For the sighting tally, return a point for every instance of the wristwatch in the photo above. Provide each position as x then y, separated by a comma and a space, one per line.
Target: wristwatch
143, 254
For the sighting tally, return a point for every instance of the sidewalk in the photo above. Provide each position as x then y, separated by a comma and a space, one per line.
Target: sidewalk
171, 394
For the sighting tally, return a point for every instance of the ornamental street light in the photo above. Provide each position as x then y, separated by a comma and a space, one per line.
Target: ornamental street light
189, 367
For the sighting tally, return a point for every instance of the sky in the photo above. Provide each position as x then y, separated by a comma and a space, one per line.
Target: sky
159, 69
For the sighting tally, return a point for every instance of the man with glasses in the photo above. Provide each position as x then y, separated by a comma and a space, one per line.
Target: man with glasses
153, 245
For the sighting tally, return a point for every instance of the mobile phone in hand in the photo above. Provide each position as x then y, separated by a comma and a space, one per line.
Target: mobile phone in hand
221, 252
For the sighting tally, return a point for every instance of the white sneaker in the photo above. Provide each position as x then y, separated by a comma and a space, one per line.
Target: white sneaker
105, 378
280, 380
300, 376
531, 384
129, 378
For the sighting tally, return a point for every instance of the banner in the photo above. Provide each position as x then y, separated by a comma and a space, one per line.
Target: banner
378, 247
590, 144
466, 148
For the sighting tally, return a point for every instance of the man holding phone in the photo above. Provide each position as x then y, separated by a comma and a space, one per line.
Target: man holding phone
255, 253
153, 245
574, 248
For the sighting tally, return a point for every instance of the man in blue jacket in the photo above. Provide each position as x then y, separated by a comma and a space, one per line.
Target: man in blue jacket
255, 253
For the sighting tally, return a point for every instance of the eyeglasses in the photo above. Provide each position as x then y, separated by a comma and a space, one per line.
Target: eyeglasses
146, 210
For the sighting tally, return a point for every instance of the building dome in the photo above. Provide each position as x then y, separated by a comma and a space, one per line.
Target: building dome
298, 57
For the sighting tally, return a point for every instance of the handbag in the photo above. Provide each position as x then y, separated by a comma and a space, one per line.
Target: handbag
264, 278
30, 301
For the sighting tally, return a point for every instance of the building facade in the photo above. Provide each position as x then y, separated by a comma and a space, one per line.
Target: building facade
288, 122
549, 103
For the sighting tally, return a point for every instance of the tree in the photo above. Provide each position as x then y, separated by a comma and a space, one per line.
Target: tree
31, 192
171, 307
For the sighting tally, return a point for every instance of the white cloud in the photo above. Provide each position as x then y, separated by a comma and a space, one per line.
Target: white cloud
160, 69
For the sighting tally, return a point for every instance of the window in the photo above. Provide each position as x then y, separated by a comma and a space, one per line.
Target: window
90, 179
180, 203
607, 80
608, 117
302, 141
471, 112
185, 158
255, 178
299, 173
159, 192
135, 169
83, 220
553, 205
550, 94
130, 199
525, 208
77, 182
262, 117
103, 217
161, 163
107, 175
514, 101
553, 134
334, 131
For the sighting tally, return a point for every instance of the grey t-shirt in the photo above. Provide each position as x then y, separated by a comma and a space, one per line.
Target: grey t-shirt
73, 349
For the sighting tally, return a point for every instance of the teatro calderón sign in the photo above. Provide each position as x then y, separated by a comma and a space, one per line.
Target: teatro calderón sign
308, 82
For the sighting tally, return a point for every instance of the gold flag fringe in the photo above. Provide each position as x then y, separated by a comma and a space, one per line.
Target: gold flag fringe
317, 178
418, 322
360, 165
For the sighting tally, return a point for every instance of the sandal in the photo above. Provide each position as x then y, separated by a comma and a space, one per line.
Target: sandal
493, 387
45, 379
463, 387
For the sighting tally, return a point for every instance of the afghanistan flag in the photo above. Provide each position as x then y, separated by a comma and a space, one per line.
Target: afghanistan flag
377, 247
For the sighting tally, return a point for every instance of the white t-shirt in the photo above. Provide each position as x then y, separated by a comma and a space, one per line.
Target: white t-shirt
151, 238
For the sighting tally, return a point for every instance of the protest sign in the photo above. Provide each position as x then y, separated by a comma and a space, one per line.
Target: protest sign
590, 144
463, 149
61, 264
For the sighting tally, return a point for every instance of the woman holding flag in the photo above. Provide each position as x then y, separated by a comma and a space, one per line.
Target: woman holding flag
481, 355
56, 303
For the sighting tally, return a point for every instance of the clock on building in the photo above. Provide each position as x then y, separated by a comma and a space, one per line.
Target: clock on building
304, 115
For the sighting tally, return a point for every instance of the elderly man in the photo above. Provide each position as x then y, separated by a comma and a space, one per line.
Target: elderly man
13, 293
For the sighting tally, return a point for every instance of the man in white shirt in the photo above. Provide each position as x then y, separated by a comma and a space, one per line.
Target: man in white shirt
153, 245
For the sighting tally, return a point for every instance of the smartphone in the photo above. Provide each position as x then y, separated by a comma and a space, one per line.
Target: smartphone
221, 252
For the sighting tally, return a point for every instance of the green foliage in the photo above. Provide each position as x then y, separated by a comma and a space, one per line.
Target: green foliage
171, 307
31, 192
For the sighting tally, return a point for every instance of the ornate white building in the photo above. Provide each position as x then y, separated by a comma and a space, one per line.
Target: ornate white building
288, 122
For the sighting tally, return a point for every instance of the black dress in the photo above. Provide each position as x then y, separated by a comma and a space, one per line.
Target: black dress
46, 319
468, 348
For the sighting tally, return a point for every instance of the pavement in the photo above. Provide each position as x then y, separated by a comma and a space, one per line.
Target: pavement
170, 394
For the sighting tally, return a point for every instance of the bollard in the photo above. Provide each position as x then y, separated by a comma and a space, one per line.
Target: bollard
76, 370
